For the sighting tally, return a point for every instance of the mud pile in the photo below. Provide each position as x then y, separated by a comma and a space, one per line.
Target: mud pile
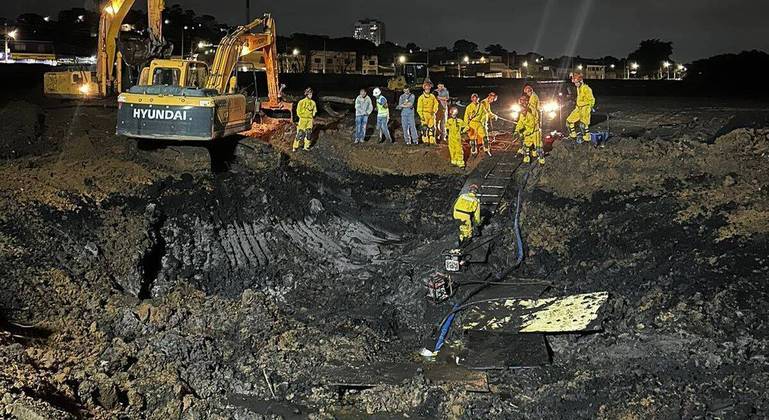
23, 125
291, 284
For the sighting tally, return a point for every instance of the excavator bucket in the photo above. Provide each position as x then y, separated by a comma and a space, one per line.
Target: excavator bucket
280, 111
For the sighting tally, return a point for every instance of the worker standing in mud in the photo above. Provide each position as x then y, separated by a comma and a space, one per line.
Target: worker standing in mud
382, 116
427, 106
467, 210
442, 94
579, 119
305, 110
487, 116
528, 90
473, 120
529, 132
363, 108
455, 127
406, 104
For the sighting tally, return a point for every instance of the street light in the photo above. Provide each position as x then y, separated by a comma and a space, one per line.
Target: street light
8, 35
184, 28
525, 64
579, 67
167, 21
295, 51
402, 59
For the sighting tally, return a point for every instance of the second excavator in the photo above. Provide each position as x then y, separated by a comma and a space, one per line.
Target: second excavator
185, 100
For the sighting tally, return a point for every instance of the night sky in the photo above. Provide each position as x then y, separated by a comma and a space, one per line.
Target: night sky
591, 28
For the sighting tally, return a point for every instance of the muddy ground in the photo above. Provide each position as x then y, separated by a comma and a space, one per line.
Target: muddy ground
181, 282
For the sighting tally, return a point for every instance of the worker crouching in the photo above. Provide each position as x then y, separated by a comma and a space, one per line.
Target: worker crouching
467, 210
529, 133
455, 127
305, 110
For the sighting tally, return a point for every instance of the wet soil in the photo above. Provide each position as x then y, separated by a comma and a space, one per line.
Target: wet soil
244, 279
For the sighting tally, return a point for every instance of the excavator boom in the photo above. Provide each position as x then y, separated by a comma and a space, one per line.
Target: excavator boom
240, 43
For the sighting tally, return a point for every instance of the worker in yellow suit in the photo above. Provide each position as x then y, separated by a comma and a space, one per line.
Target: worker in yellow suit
427, 106
529, 132
579, 119
467, 210
486, 117
528, 90
305, 110
474, 119
455, 127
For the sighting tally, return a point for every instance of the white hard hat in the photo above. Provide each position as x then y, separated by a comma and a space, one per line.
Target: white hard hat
377, 92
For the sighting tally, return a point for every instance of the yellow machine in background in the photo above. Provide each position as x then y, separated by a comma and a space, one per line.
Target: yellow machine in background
185, 100
106, 80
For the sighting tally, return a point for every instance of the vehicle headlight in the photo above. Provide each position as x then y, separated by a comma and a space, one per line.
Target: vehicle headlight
85, 89
550, 107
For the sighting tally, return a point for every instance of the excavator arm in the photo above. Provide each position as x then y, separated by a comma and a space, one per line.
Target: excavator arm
244, 41
109, 28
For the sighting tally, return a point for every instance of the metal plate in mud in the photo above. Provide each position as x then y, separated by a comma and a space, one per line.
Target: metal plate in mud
369, 375
576, 313
492, 350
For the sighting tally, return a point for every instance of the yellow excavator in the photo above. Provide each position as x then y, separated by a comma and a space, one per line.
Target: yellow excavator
107, 79
186, 100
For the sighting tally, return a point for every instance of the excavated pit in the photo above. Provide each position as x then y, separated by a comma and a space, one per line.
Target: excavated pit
160, 287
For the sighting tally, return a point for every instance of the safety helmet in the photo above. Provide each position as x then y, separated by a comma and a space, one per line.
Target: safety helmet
577, 77
454, 111
474, 97
473, 188
308, 91
377, 92
492, 96
427, 85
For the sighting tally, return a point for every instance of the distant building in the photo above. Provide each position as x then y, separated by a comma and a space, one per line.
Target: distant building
339, 62
595, 72
488, 66
369, 64
291, 63
370, 30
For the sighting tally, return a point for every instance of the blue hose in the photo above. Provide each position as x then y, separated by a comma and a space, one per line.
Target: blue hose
449, 319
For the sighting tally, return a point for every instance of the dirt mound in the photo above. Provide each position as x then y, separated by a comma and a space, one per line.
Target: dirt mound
23, 125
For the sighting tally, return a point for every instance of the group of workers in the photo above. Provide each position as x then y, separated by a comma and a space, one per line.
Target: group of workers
440, 122
467, 207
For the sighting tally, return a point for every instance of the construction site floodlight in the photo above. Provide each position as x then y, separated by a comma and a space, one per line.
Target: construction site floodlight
525, 64
295, 51
13, 34
666, 64
634, 66
466, 59
402, 59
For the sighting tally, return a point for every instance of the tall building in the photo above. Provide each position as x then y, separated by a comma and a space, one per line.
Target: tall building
370, 30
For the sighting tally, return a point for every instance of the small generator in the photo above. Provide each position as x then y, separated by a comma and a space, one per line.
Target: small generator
440, 287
